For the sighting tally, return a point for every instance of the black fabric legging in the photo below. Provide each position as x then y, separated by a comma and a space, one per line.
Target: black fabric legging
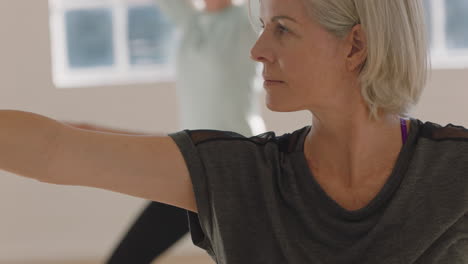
157, 228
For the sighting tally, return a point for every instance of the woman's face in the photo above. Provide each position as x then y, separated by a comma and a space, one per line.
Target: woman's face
305, 63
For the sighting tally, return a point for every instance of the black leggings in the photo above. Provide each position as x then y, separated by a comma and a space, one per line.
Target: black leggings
157, 228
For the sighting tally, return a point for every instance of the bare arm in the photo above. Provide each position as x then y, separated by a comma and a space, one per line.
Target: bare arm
150, 167
92, 127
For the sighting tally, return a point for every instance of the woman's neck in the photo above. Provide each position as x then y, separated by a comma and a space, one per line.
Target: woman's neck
352, 148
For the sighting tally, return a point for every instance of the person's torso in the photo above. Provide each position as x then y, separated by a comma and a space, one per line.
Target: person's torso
269, 209
215, 72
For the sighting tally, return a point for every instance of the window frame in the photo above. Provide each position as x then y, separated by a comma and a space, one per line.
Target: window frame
443, 58
122, 72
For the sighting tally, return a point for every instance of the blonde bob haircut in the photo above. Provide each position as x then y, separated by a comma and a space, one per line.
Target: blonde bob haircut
395, 72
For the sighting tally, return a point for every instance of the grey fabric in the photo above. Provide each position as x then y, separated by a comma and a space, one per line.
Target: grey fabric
259, 203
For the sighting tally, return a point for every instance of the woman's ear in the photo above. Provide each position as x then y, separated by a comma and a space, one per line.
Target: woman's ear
356, 44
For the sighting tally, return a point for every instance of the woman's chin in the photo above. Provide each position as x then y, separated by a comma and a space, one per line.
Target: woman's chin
279, 107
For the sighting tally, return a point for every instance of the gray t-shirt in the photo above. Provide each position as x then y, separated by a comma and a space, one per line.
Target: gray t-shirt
259, 203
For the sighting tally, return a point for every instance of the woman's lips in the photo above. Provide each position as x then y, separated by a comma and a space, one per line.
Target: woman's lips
272, 82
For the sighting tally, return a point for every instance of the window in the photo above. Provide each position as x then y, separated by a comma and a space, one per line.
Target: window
100, 42
104, 42
448, 34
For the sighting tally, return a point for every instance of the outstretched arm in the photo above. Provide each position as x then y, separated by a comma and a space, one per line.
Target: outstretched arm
97, 128
178, 11
150, 167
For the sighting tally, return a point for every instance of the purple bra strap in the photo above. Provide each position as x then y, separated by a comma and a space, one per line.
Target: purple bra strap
404, 130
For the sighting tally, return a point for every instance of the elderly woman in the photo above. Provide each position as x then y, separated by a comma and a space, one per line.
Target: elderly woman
360, 185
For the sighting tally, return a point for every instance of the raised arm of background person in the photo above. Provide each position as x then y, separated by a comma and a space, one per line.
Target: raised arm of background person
178, 11
149, 167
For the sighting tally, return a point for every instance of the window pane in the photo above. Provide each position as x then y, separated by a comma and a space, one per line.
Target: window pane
89, 37
149, 35
457, 23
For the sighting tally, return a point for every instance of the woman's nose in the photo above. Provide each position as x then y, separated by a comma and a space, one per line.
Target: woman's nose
260, 52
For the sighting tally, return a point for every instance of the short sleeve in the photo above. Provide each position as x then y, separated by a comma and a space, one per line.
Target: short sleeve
228, 172
200, 233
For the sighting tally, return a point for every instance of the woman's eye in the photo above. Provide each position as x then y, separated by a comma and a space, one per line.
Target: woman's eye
282, 29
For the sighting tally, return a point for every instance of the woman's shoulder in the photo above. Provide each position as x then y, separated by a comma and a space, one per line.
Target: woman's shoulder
439, 162
287, 142
442, 144
450, 132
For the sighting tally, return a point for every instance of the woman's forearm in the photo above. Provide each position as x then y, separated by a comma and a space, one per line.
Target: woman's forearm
27, 143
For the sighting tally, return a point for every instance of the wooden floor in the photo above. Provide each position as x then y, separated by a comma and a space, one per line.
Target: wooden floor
163, 260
